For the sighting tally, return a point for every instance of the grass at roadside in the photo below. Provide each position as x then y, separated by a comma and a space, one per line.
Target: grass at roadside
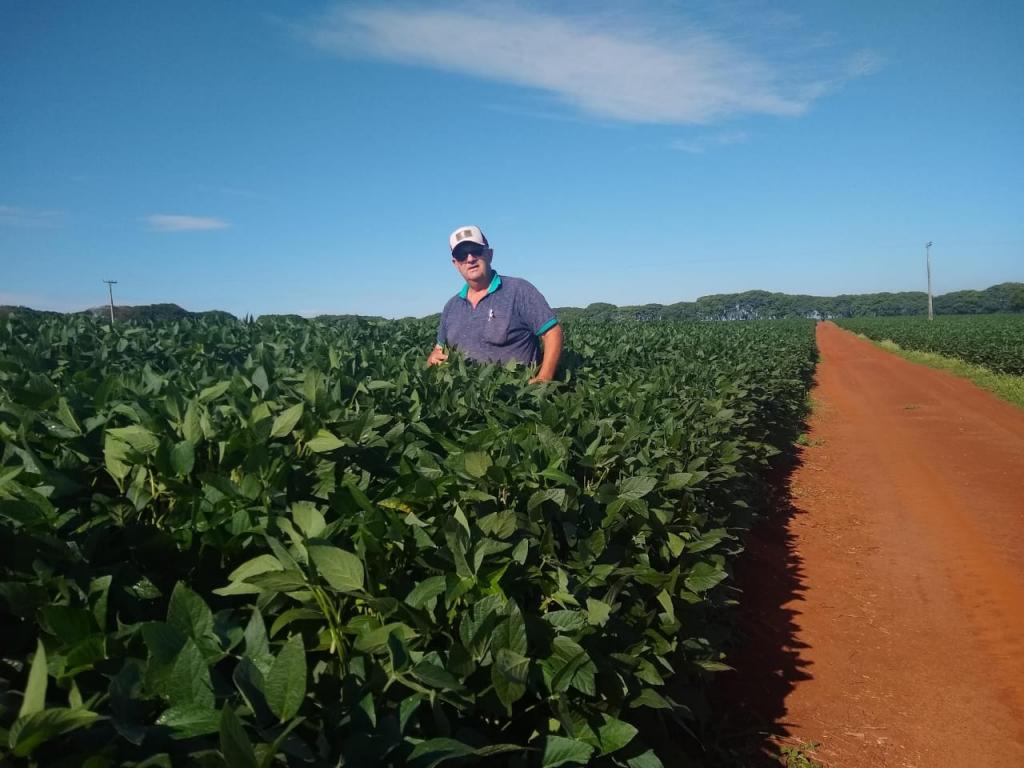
1004, 385
799, 755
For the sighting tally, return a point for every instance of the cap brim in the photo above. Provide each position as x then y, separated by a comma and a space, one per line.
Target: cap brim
470, 242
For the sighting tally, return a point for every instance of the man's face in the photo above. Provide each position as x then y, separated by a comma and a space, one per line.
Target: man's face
473, 261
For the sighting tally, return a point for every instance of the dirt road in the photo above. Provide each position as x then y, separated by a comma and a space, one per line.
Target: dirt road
886, 615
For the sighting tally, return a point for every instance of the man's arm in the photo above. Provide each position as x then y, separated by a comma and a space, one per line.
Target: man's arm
552, 341
437, 354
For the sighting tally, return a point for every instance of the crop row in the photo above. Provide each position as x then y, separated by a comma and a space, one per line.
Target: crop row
993, 341
238, 544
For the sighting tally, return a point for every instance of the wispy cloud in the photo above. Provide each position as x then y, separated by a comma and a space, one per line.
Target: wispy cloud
165, 222
638, 69
700, 144
16, 216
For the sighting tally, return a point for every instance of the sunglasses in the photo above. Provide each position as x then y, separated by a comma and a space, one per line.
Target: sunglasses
462, 254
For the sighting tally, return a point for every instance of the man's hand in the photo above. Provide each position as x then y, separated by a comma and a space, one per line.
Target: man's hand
552, 341
437, 355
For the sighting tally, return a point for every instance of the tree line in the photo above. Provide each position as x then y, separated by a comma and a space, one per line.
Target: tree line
762, 305
749, 305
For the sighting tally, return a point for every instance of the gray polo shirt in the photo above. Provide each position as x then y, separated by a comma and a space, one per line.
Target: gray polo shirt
505, 324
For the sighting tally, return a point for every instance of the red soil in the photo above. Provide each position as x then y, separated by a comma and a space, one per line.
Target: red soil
885, 612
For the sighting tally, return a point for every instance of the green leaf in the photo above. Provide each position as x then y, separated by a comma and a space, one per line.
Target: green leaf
259, 379
115, 457
477, 463
188, 721
478, 622
708, 540
248, 679
66, 417
276, 581
559, 750
568, 665
650, 698
500, 525
636, 487
189, 683
138, 437
566, 620
294, 614
191, 427
598, 612
425, 590
325, 441
647, 760
35, 690
213, 392
435, 676
99, 592
234, 742
703, 576
254, 567
665, 600
285, 686
188, 613
434, 751
713, 666
257, 647
398, 652
521, 551
341, 569
30, 731
163, 641
309, 519
183, 458
511, 633
285, 421
509, 675
614, 734
407, 708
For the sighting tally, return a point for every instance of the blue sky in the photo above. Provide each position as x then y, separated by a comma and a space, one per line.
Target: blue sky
313, 157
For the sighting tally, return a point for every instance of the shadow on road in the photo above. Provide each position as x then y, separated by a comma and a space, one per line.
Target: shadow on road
749, 703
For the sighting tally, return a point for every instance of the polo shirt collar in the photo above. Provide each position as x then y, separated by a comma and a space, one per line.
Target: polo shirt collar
495, 285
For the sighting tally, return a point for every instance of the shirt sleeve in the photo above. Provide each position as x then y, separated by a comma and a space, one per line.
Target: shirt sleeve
536, 310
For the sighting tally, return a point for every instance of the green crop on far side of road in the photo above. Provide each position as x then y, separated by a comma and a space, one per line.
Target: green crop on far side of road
1004, 385
995, 342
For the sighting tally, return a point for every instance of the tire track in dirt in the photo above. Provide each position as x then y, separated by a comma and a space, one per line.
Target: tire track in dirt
904, 547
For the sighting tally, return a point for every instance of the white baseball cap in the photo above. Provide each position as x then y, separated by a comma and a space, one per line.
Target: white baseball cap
467, 234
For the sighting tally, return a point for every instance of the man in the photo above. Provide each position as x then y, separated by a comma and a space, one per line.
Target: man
495, 319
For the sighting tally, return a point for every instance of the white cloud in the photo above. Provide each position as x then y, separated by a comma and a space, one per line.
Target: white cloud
699, 144
643, 70
165, 222
16, 216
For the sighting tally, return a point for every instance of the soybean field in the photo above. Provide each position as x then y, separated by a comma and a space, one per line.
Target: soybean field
234, 543
993, 341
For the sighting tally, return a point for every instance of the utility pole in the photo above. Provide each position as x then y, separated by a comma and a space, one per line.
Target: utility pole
928, 264
112, 283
